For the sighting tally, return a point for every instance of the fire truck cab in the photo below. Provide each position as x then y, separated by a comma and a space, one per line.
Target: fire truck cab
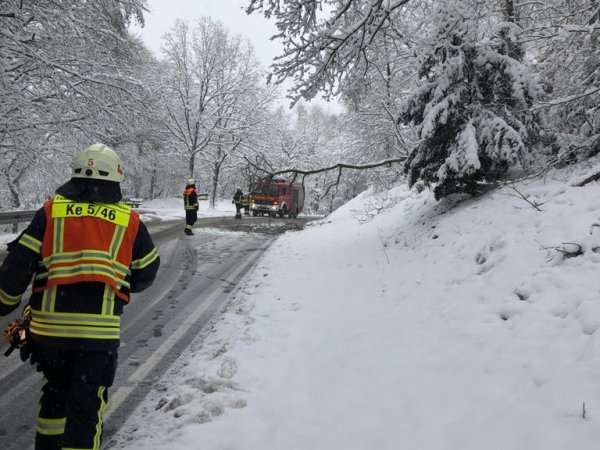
277, 197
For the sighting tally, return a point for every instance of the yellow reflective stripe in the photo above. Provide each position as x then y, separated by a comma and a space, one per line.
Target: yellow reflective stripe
51, 427
75, 261
146, 260
31, 243
64, 318
49, 298
80, 254
68, 257
58, 235
108, 300
90, 268
81, 332
106, 267
55, 273
116, 242
117, 213
9, 300
98, 434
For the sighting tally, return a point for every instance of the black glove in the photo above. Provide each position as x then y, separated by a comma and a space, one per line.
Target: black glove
29, 352
26, 352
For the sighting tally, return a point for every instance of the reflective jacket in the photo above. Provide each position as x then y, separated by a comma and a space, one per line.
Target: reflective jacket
190, 199
85, 259
238, 196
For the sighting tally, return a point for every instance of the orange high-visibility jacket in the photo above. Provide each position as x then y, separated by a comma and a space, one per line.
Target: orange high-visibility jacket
87, 242
85, 258
190, 199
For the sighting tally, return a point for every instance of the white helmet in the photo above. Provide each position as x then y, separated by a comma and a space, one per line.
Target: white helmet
191, 181
98, 162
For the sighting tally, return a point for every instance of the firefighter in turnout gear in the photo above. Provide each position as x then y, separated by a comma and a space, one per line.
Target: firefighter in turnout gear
237, 199
246, 204
190, 204
86, 253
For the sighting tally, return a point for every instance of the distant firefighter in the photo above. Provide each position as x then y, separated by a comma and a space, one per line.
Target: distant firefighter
246, 204
237, 199
190, 204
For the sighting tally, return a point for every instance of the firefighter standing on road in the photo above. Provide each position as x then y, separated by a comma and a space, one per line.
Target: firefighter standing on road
86, 253
190, 204
237, 199
246, 204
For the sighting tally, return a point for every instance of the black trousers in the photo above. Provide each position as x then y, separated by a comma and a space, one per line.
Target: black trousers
191, 215
74, 396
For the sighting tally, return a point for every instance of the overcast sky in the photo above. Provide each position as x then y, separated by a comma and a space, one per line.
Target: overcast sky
255, 27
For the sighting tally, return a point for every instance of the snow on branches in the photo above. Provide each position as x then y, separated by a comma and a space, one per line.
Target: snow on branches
473, 107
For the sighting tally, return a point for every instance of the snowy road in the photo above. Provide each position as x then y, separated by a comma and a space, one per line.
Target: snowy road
197, 276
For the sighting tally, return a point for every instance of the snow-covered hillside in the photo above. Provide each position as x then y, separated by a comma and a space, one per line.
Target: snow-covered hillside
435, 325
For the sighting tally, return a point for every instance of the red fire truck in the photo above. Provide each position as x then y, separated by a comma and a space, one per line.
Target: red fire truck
277, 197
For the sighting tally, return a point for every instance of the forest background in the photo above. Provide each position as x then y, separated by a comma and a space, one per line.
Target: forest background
457, 96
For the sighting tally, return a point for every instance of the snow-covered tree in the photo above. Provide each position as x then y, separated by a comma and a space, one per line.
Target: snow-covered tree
325, 41
65, 74
211, 92
565, 37
473, 107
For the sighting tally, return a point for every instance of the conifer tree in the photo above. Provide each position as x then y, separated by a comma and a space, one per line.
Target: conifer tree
472, 109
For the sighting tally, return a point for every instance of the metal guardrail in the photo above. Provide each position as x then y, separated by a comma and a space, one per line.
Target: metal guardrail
8, 217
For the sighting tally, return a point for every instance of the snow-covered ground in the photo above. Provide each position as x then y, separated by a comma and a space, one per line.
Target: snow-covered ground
172, 208
432, 326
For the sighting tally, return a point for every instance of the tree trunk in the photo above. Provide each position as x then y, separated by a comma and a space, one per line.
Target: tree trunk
138, 179
216, 175
192, 164
15, 199
509, 8
153, 183
215, 184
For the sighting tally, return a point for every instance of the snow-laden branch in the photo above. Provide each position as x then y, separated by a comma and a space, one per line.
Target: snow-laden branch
337, 166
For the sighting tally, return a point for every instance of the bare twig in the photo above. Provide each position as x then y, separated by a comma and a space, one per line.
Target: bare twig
534, 204
383, 245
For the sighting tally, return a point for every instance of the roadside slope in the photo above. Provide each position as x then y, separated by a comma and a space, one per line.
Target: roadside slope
431, 326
